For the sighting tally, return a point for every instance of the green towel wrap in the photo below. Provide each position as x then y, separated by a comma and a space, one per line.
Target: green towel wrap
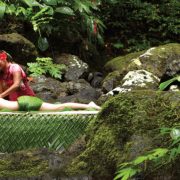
29, 103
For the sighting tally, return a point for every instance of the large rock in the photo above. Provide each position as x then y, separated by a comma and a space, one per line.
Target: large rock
161, 61
111, 81
121, 63
52, 90
76, 68
124, 129
48, 89
20, 48
85, 95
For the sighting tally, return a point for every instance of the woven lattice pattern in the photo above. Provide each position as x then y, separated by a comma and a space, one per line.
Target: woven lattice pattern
30, 130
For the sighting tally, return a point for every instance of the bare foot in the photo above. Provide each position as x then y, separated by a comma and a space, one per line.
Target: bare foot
93, 105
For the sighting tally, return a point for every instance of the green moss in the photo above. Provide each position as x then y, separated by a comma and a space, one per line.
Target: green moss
114, 77
22, 164
110, 135
160, 57
121, 63
154, 60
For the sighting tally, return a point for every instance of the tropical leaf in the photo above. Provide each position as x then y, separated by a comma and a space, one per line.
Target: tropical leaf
43, 12
118, 45
165, 84
65, 10
43, 43
2, 9
11, 9
157, 153
140, 160
46, 66
31, 3
82, 6
175, 134
50, 2
126, 173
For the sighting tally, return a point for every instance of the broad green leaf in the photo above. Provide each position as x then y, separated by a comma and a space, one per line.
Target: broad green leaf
43, 12
122, 165
31, 3
100, 39
173, 154
175, 141
165, 130
43, 43
82, 6
126, 173
21, 10
178, 149
65, 10
159, 152
11, 9
2, 9
175, 133
118, 45
50, 2
165, 84
140, 160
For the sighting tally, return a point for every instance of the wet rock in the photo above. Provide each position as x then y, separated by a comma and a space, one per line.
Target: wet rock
21, 49
95, 79
48, 89
86, 95
141, 79
111, 81
161, 60
127, 126
76, 68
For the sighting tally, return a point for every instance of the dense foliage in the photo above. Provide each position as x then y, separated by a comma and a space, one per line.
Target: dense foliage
159, 157
127, 126
75, 26
165, 84
47, 67
65, 18
133, 25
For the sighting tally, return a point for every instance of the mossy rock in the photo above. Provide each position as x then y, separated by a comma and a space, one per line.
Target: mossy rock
21, 49
23, 164
123, 120
118, 67
159, 60
121, 63
111, 81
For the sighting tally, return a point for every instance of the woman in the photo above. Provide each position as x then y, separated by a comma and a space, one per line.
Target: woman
13, 80
29, 103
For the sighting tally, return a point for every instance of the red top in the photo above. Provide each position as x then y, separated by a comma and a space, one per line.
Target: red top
24, 88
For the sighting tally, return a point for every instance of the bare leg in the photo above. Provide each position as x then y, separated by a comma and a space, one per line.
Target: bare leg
56, 107
12, 105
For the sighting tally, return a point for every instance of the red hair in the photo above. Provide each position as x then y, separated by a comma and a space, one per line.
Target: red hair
3, 56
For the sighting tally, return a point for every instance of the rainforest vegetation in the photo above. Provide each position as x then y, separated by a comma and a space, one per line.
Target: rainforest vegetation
98, 31
93, 29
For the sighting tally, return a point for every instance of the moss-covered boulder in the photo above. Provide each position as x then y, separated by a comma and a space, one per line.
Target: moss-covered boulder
24, 164
164, 59
112, 80
124, 121
76, 68
121, 63
21, 49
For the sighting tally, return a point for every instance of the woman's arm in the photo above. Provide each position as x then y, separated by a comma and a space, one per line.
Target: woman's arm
17, 78
1, 87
